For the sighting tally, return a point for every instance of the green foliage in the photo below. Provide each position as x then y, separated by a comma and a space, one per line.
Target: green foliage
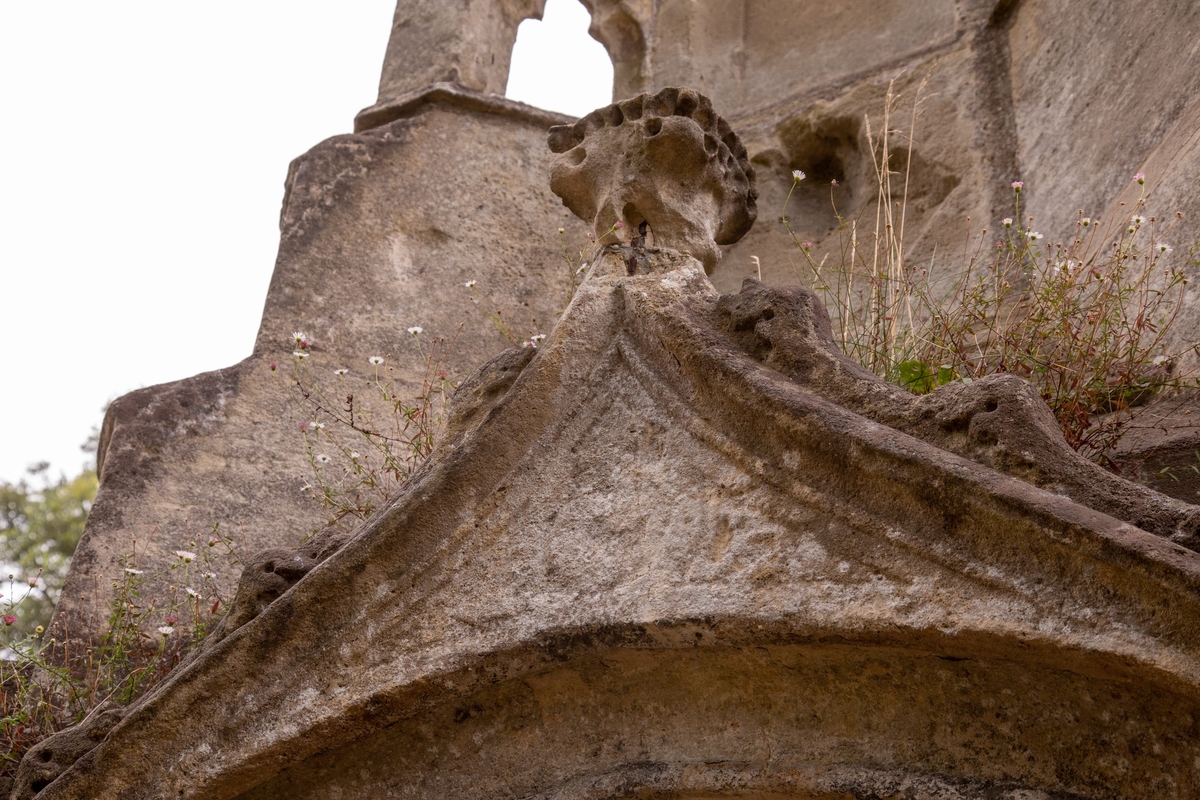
921, 378
40, 526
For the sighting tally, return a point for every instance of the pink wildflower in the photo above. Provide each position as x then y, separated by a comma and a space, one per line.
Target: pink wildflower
1140, 178
9, 619
1018, 185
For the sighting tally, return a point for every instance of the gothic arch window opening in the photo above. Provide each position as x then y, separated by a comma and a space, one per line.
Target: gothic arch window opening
557, 65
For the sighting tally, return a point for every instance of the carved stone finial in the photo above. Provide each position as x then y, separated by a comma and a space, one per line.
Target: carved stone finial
667, 160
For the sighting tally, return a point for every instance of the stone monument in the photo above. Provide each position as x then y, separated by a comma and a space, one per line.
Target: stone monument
684, 548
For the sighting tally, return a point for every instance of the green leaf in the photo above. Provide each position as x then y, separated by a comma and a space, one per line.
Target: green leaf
916, 376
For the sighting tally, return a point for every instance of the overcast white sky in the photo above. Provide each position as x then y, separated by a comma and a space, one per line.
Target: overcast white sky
143, 149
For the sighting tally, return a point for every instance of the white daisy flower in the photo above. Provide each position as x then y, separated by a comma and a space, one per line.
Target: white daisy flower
323, 459
375, 360
185, 555
166, 630
415, 330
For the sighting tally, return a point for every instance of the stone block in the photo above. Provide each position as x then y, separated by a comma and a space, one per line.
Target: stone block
380, 231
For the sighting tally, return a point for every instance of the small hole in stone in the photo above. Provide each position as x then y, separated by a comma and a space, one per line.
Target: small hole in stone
664, 101
710, 145
615, 116
37, 786
45, 756
577, 155
991, 405
653, 126
269, 566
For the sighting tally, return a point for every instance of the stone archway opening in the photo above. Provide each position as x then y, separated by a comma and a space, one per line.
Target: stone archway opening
557, 65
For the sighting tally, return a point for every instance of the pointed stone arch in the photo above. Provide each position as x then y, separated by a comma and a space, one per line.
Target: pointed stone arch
558, 64
620, 25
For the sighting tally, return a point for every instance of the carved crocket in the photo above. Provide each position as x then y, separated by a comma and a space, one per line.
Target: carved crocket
998, 420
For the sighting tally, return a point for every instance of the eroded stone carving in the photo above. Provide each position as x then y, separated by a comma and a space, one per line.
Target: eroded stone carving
50, 758
998, 420
270, 573
666, 160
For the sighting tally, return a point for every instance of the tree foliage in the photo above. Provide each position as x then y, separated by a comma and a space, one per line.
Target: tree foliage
40, 525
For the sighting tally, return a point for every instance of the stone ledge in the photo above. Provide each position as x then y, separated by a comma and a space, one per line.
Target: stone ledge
456, 95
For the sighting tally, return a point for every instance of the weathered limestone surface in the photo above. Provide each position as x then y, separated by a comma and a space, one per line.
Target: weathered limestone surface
380, 231
983, 123
684, 549
747, 54
741, 587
